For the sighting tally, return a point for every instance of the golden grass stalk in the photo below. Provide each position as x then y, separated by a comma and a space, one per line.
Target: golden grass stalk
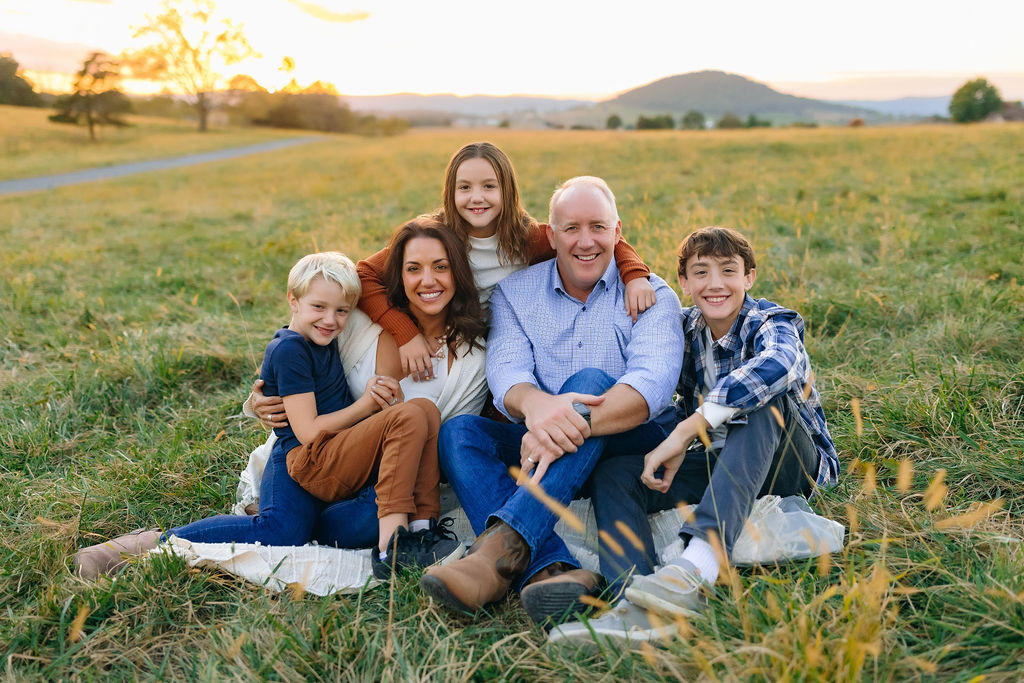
858, 421
936, 490
611, 543
629, 534
870, 478
75, 630
809, 387
978, 512
236, 645
559, 510
904, 475
778, 416
851, 516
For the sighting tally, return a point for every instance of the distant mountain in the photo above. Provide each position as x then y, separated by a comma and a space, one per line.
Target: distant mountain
905, 106
471, 105
715, 92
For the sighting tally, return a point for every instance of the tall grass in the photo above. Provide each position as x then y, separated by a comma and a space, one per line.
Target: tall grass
134, 314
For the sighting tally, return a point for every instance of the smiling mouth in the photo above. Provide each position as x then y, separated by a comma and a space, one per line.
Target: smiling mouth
430, 296
479, 209
324, 331
716, 299
586, 259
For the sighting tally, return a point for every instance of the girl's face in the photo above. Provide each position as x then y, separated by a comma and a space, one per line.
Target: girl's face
427, 277
478, 196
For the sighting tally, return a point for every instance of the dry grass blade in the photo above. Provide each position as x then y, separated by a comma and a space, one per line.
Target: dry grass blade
851, 518
809, 387
591, 601
870, 478
236, 645
702, 434
777, 414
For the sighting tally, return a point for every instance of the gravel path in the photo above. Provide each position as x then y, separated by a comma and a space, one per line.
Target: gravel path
49, 182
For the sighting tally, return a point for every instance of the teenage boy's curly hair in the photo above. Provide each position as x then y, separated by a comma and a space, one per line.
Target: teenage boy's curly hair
716, 241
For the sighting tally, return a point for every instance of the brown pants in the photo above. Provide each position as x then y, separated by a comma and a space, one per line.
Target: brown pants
398, 445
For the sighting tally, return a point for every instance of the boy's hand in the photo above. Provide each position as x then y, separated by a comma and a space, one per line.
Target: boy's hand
416, 359
670, 453
383, 391
269, 409
639, 296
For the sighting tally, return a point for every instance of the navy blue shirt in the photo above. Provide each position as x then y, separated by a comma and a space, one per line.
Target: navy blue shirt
294, 365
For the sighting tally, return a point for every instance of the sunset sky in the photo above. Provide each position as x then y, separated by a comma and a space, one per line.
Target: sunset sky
870, 49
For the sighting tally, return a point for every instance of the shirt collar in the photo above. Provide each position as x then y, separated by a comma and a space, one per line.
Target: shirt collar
694, 323
611, 274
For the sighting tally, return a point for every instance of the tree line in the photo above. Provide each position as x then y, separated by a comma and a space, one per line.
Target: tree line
691, 120
185, 44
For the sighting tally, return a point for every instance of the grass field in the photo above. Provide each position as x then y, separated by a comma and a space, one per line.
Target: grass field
30, 145
134, 313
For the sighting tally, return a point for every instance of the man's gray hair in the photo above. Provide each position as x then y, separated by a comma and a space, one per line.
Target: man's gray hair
592, 181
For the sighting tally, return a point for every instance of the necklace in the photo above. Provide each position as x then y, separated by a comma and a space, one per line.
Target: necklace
442, 349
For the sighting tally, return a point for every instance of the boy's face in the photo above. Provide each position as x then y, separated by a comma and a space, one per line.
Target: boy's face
718, 287
321, 313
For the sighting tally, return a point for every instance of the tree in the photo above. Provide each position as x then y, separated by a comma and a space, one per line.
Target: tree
974, 100
13, 88
188, 47
95, 97
614, 122
754, 122
661, 122
693, 120
729, 120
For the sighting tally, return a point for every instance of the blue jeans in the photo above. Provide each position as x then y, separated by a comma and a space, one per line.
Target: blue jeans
290, 516
475, 455
759, 458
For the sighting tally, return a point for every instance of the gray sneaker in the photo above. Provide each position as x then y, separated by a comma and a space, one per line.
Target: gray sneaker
625, 623
670, 591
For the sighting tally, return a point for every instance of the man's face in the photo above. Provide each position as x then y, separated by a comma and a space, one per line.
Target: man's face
583, 234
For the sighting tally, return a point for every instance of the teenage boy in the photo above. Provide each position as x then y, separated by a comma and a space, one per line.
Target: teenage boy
330, 448
753, 426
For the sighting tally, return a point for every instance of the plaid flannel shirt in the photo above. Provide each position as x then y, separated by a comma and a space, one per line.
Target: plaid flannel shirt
761, 357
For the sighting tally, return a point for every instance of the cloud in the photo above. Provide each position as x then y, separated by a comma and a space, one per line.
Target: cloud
36, 52
321, 12
96, 2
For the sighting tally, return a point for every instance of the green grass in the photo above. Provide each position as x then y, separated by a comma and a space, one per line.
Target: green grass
31, 145
134, 313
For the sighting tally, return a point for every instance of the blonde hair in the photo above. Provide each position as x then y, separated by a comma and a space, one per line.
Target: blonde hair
598, 184
332, 266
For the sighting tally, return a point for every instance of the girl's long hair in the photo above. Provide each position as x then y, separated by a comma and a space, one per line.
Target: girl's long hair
464, 321
514, 223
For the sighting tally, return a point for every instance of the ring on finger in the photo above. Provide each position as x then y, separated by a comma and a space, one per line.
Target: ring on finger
531, 460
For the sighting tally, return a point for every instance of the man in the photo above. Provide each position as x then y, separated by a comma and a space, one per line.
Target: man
577, 376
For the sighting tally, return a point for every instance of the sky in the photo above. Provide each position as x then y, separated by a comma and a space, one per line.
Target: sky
869, 49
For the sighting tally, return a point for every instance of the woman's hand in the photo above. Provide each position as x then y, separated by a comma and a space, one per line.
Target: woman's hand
269, 409
639, 296
416, 359
383, 391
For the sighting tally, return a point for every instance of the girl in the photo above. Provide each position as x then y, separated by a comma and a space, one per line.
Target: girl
481, 204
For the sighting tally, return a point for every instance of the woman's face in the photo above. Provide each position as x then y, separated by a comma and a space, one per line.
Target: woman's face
427, 277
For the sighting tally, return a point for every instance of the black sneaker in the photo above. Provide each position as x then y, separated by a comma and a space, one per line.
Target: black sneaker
418, 549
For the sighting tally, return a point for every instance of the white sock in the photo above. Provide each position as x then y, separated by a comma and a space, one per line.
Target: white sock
419, 525
702, 556
382, 555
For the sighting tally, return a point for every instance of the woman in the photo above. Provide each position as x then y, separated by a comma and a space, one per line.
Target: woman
428, 278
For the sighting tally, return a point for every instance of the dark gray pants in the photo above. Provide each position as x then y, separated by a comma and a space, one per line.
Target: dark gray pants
759, 458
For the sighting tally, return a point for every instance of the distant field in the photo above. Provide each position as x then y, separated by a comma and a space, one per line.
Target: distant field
31, 145
134, 314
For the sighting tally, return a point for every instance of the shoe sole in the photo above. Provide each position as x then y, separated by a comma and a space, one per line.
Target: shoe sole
659, 605
556, 602
584, 638
439, 592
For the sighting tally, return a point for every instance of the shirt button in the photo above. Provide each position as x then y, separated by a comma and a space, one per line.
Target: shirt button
584, 308
579, 345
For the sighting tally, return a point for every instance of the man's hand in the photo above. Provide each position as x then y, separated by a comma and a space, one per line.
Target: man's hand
555, 428
269, 409
416, 359
670, 453
640, 296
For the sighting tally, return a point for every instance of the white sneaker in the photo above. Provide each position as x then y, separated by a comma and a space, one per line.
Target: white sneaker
672, 590
624, 623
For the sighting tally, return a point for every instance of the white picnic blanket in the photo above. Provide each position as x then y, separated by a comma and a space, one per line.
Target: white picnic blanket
778, 529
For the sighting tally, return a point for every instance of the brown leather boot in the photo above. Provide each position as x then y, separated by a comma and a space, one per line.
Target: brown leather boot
497, 558
554, 592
